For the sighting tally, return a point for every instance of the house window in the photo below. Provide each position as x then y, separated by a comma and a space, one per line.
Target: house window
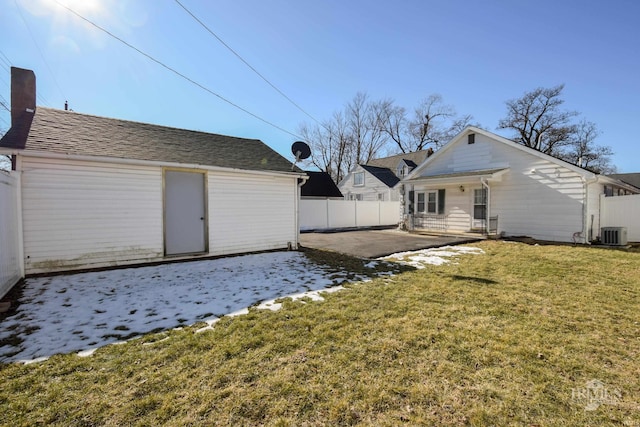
608, 191
381, 197
471, 138
355, 196
432, 199
358, 178
431, 202
480, 203
420, 203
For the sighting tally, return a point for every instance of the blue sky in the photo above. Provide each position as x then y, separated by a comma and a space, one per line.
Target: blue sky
476, 54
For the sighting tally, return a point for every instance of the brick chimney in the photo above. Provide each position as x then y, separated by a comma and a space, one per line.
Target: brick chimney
23, 107
23, 94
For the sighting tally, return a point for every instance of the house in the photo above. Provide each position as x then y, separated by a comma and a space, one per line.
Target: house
377, 179
629, 178
320, 185
480, 182
97, 192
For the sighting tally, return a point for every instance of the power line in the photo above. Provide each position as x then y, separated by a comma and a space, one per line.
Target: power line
245, 62
39, 50
4, 59
176, 72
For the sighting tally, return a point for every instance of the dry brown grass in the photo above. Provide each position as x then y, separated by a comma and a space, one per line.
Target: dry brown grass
502, 338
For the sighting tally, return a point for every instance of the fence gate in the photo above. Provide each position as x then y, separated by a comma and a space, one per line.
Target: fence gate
10, 262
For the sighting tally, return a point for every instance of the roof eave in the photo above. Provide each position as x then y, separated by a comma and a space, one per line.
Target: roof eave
461, 178
115, 160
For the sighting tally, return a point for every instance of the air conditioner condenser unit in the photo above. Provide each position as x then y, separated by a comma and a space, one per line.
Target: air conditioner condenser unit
615, 236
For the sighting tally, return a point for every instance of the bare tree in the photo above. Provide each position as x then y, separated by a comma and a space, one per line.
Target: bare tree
584, 152
433, 123
540, 123
365, 128
363, 118
427, 126
393, 122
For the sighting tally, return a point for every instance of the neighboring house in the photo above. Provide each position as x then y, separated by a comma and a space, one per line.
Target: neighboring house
377, 180
629, 178
320, 186
97, 192
481, 182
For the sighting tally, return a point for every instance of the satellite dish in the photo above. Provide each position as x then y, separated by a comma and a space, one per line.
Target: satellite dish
301, 150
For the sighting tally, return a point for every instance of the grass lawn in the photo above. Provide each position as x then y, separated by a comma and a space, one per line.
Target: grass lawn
514, 336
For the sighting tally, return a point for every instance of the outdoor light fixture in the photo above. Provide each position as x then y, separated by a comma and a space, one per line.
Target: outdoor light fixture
462, 188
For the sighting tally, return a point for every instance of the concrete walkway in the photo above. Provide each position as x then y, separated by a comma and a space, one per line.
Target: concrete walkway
377, 243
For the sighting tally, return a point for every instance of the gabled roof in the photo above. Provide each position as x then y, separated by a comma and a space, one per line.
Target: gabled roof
319, 184
472, 129
385, 175
629, 178
71, 133
392, 162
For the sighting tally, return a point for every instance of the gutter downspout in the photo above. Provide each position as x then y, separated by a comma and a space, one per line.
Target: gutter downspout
485, 184
299, 185
587, 234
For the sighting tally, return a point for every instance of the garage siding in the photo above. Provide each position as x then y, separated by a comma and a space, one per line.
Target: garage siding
251, 213
85, 215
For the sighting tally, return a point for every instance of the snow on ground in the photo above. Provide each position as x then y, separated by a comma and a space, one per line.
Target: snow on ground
83, 311
61, 314
434, 256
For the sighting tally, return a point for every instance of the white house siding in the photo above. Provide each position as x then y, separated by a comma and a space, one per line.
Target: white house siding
458, 207
10, 254
79, 214
251, 212
535, 197
370, 190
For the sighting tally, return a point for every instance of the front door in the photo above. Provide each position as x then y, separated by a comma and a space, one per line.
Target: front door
185, 216
479, 209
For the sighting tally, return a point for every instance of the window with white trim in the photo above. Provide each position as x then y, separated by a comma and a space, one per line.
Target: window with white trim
420, 203
430, 202
358, 178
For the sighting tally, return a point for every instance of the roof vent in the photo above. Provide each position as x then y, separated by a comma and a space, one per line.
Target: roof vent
471, 138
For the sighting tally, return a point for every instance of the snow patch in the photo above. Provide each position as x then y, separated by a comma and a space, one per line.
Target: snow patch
435, 256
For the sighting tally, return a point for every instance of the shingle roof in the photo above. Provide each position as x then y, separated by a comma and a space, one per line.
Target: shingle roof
383, 174
320, 184
391, 162
67, 132
629, 178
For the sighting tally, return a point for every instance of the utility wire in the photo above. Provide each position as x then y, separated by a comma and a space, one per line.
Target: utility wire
39, 50
245, 62
4, 59
162, 64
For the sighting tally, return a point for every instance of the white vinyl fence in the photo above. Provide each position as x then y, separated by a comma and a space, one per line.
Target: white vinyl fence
328, 214
622, 211
10, 268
